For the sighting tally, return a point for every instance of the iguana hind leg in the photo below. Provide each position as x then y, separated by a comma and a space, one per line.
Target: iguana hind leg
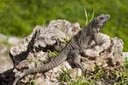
76, 59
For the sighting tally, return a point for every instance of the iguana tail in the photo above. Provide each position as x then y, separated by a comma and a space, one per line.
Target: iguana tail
54, 63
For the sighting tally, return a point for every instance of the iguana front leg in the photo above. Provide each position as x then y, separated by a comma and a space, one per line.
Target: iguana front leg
75, 59
101, 42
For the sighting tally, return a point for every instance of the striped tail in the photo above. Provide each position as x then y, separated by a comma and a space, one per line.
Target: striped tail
54, 63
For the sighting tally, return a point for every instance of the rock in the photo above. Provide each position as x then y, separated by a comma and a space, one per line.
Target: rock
75, 73
54, 36
5, 60
13, 40
3, 38
3, 49
125, 55
34, 50
105, 57
9, 39
5, 64
103, 43
40, 81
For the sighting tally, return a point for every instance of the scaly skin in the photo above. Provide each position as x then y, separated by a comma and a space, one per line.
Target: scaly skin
73, 49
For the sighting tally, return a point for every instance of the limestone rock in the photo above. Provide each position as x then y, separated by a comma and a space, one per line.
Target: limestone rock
34, 50
125, 55
13, 40
3, 38
5, 60
53, 36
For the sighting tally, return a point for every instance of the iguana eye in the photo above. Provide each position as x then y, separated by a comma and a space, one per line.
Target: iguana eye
101, 18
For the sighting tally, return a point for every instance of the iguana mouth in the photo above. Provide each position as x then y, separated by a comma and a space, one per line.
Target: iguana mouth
101, 20
106, 18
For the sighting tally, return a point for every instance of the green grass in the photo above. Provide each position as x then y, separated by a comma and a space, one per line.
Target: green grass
107, 77
19, 17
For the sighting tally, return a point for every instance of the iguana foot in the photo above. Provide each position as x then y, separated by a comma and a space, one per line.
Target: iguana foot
76, 59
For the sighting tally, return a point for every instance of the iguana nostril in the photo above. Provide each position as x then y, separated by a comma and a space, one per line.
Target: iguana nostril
108, 16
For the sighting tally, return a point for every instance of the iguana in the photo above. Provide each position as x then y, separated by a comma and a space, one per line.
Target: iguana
73, 49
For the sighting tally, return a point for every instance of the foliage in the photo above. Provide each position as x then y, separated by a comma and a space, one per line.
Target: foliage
19, 17
81, 81
52, 54
64, 76
99, 76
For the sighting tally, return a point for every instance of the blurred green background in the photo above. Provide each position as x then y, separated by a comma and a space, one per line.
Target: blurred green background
19, 17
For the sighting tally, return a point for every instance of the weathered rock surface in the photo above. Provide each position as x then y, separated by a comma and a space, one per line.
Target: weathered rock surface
45, 42
12, 40
125, 55
54, 36
5, 60
3, 38
6, 66
109, 55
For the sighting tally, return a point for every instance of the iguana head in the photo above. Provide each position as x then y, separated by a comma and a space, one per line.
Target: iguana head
99, 21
